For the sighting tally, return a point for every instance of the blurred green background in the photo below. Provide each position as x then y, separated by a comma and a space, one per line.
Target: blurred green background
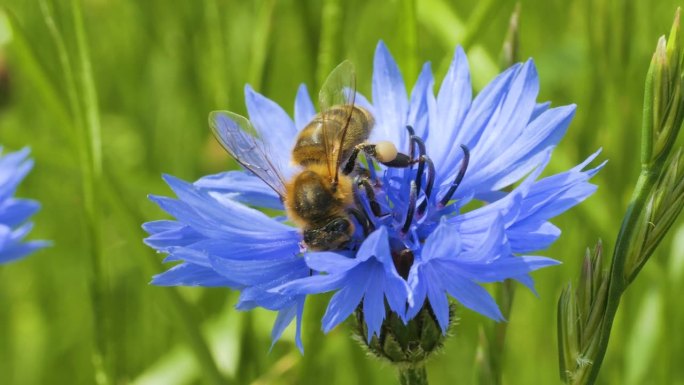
152, 71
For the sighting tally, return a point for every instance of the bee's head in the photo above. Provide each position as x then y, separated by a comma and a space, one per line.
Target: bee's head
334, 235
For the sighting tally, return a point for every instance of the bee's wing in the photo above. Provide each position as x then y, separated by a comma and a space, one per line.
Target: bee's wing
336, 100
239, 138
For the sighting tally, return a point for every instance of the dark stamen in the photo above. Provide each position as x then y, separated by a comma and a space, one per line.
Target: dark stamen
403, 260
428, 187
412, 133
415, 140
411, 208
459, 177
421, 145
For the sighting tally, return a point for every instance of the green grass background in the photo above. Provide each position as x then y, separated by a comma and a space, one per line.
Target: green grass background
152, 72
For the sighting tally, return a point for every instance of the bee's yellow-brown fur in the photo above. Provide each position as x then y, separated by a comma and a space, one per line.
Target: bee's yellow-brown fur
311, 201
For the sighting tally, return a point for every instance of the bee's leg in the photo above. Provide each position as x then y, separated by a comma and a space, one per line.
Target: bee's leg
351, 162
383, 151
370, 194
459, 177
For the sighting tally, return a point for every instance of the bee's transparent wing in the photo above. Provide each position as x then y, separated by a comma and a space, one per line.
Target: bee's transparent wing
336, 100
239, 138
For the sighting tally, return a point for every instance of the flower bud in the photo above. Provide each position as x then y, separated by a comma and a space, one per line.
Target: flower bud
402, 344
663, 102
580, 315
662, 208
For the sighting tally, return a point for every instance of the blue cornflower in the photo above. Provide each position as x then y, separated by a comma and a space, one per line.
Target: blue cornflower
14, 212
425, 244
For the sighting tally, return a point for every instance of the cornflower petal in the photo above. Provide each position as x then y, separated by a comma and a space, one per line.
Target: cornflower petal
15, 212
389, 98
273, 125
449, 110
244, 188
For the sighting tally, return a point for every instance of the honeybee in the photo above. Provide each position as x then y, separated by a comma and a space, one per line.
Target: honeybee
320, 196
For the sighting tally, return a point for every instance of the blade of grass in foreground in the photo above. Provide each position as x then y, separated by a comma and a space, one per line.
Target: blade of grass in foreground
260, 42
86, 114
327, 59
185, 317
410, 29
35, 72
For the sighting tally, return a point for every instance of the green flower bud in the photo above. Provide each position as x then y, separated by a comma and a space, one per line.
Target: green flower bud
663, 102
662, 208
404, 344
580, 315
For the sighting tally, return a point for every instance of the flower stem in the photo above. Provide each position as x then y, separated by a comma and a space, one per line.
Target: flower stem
618, 284
185, 319
479, 20
260, 42
328, 46
84, 127
410, 28
92, 182
413, 375
196, 342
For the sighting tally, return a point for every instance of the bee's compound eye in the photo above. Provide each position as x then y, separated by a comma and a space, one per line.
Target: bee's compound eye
339, 226
385, 151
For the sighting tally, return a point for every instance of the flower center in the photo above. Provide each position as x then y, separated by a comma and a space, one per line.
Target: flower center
404, 212
403, 260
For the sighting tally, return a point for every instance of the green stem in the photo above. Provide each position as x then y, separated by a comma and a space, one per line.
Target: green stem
505, 294
90, 104
85, 131
260, 42
617, 282
198, 345
413, 375
481, 18
489, 356
92, 180
312, 364
248, 365
217, 52
44, 88
185, 320
328, 48
410, 28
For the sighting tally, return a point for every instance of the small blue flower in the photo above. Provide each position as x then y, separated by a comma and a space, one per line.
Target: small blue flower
14, 212
426, 244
